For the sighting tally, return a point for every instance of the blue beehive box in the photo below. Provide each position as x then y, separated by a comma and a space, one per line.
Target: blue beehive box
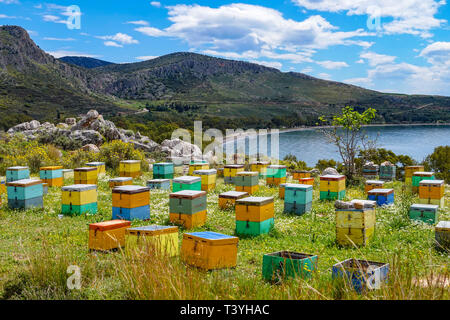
164, 170
130, 214
17, 173
161, 184
25, 194
383, 197
298, 198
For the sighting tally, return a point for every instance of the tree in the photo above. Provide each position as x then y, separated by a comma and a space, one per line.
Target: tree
439, 162
346, 133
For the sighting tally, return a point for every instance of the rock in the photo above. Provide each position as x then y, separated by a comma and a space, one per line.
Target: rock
87, 137
62, 126
315, 172
387, 164
26, 126
92, 114
330, 171
91, 148
151, 147
180, 148
71, 121
343, 205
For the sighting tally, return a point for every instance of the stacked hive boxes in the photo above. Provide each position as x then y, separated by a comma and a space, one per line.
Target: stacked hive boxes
254, 216
17, 173
208, 179
230, 171
283, 265
187, 183
432, 192
370, 170
100, 166
108, 235
53, 176
373, 184
276, 175
209, 250
130, 168
442, 235
131, 203
25, 194
161, 184
121, 181
355, 223
298, 198
387, 171
260, 167
79, 199
307, 181
87, 175
188, 208
419, 176
197, 166
409, 172
247, 181
383, 197
300, 174
428, 213
228, 199
159, 240
332, 187
164, 170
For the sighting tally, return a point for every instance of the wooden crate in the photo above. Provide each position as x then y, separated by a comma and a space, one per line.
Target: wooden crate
254, 215
189, 221
159, 184
355, 226
424, 212
100, 166
160, 240
409, 171
442, 235
108, 235
230, 171
197, 166
25, 194
228, 199
187, 183
260, 167
298, 198
86, 175
130, 168
387, 173
163, 170
383, 197
431, 189
121, 181
332, 187
373, 184
209, 250
282, 265
419, 176
79, 199
187, 202
131, 203
17, 173
53, 176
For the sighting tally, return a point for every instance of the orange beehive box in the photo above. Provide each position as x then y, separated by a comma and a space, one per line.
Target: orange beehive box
307, 181
373, 184
297, 175
108, 235
431, 189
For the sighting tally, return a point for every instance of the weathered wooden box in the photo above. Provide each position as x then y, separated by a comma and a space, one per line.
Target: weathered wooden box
163, 170
86, 175
230, 171
130, 168
161, 184
197, 166
161, 240
442, 235
307, 181
53, 176
108, 235
355, 226
188, 208
25, 194
373, 184
121, 181
208, 178
300, 174
260, 167
383, 197
427, 213
100, 166
254, 215
332, 187
285, 264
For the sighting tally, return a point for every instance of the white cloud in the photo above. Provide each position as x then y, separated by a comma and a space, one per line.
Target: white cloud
4, 16
58, 39
324, 76
152, 32
307, 70
437, 53
376, 59
359, 81
270, 64
64, 53
53, 18
145, 58
112, 44
332, 64
9, 1
138, 23
156, 4
121, 38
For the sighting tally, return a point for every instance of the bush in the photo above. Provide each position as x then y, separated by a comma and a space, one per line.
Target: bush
439, 162
323, 164
115, 151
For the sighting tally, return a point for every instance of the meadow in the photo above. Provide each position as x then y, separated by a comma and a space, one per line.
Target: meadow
37, 246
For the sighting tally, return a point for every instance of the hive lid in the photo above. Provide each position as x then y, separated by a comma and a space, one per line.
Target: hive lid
208, 172
199, 164
248, 173
187, 180
423, 173
303, 187
85, 169
233, 195
130, 161
121, 179
130, 189
274, 166
165, 164
24, 183
17, 168
67, 170
95, 164
374, 182
381, 191
152, 230
234, 166
51, 168
255, 201
187, 194
212, 238
419, 206
109, 225
443, 226
79, 187
332, 177
158, 181
436, 182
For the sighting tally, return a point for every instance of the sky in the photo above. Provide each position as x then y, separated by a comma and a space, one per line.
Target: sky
400, 46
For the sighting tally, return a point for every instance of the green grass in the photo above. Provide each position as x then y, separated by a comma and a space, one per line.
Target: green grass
36, 248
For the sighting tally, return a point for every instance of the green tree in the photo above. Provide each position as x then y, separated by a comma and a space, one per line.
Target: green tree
439, 162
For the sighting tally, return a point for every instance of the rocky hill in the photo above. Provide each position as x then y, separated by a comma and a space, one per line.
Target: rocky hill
85, 62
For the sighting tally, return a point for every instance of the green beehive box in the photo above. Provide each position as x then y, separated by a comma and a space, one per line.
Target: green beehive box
249, 228
187, 202
246, 179
328, 195
187, 183
164, 170
427, 213
283, 265
276, 171
69, 209
421, 176
298, 193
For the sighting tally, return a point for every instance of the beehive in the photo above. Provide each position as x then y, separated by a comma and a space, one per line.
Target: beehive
208, 179
45, 188
419, 176
285, 264
228, 199
130, 168
442, 235
282, 190
230, 171
25, 194
307, 181
254, 215
276, 175
121, 181
209, 250
300, 174
79, 199
432, 192
298, 198
187, 183
370, 171
188, 208
387, 171
17, 173
161, 184
160, 240
197, 166
361, 274
427, 213
373, 184
108, 235
409, 171
247, 181
260, 167
332, 187
53, 176
383, 197
163, 170
355, 226
131, 203
86, 175
100, 166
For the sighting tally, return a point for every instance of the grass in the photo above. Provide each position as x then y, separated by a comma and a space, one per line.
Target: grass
37, 246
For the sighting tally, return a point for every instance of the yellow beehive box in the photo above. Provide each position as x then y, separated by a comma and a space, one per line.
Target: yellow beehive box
228, 199
161, 240
208, 177
255, 209
189, 221
247, 189
306, 181
332, 183
78, 195
373, 184
438, 202
297, 175
198, 166
409, 171
275, 181
86, 175
108, 235
431, 189
121, 181
130, 197
130, 168
101, 167
209, 250
260, 167
231, 170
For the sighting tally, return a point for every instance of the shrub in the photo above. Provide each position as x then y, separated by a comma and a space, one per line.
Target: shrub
115, 151
323, 164
439, 162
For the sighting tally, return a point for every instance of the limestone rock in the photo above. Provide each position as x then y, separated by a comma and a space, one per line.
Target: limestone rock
91, 148
330, 171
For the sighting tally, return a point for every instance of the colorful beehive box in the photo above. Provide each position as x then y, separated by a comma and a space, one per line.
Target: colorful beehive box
25, 194
209, 250
282, 190
228, 199
159, 184
362, 275
208, 178
131, 203
53, 176
383, 197
163, 170
197, 166
107, 235
100, 166
285, 264
260, 167
79, 199
373, 184
300, 174
247, 181
198, 161
254, 215
409, 172
121, 181
45, 188
442, 235
432, 192
230, 171
187, 183
428, 213
332, 187
419, 176
307, 181
160, 240
370, 171
387, 172
355, 226
298, 198
188, 208
130, 168
276, 175
17, 173
86, 175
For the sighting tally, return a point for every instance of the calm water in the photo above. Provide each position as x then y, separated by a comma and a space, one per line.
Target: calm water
415, 141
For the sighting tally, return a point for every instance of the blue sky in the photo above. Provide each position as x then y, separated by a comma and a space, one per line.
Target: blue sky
387, 45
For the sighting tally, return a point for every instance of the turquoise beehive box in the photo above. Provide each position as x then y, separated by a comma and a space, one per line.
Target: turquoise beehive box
24, 194
17, 173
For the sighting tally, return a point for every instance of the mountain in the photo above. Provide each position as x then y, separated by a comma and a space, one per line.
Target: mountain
85, 62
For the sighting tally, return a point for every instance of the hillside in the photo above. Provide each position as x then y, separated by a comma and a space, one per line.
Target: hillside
85, 62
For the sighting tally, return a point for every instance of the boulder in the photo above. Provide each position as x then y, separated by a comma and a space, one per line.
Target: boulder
180, 148
91, 148
330, 171
150, 147
71, 121
87, 137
